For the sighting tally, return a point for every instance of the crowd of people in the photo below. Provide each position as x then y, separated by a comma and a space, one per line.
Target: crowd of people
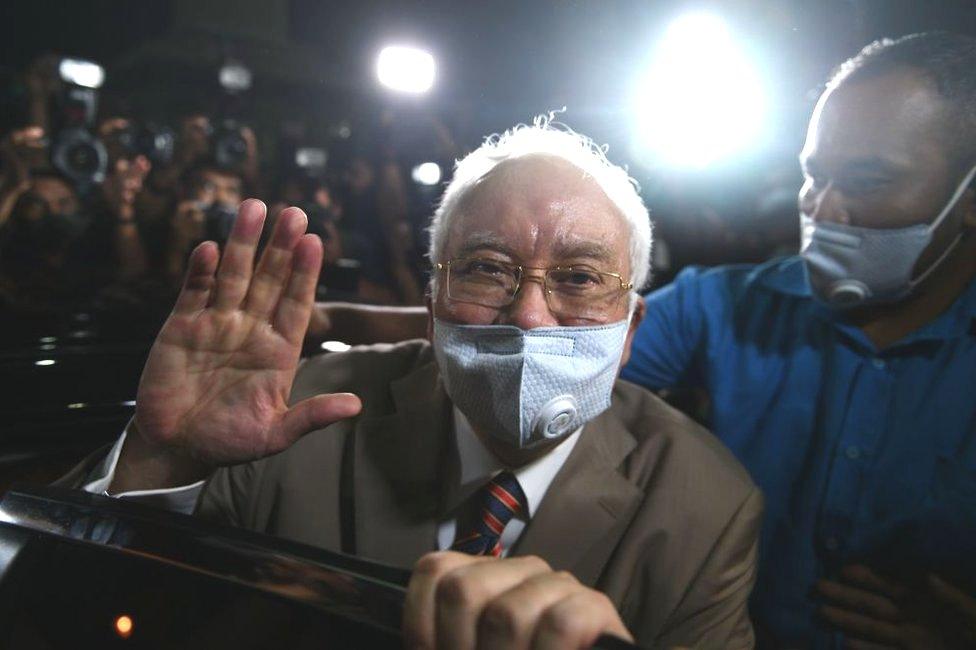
124, 236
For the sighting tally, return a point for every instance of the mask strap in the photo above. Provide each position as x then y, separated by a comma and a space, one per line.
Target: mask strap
960, 190
963, 186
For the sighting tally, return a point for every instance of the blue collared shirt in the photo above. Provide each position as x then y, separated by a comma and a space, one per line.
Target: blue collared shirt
857, 451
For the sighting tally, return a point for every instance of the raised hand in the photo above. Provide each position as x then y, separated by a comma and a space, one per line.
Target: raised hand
215, 387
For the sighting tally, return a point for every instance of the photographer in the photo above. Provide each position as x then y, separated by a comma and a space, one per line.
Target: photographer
39, 224
317, 198
209, 197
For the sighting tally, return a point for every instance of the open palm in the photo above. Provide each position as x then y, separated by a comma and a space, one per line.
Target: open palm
216, 384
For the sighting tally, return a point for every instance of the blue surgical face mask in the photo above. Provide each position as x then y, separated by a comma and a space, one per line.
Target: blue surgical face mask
850, 266
525, 387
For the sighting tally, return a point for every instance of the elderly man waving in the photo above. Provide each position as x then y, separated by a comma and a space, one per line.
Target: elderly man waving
506, 434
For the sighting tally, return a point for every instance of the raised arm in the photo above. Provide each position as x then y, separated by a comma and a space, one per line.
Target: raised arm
215, 387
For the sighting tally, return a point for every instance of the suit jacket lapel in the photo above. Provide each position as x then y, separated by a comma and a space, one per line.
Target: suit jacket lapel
400, 465
588, 504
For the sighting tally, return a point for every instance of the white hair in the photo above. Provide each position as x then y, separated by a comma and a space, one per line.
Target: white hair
546, 137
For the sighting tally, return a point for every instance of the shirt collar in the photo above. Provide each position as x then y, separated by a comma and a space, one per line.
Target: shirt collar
785, 275
478, 465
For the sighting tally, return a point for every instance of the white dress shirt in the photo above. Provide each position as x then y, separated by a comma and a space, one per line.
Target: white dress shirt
477, 466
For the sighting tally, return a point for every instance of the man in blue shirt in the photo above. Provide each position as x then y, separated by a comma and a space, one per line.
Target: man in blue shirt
845, 379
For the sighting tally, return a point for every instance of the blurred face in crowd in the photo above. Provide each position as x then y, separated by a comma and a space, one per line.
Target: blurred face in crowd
877, 156
217, 186
540, 212
360, 175
194, 140
56, 195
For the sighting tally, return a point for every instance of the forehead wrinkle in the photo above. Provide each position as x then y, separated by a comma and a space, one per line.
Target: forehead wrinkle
484, 239
575, 246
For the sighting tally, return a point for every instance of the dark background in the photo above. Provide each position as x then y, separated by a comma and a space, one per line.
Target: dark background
499, 63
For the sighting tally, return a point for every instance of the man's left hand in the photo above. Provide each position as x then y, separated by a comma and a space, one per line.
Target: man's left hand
877, 612
462, 601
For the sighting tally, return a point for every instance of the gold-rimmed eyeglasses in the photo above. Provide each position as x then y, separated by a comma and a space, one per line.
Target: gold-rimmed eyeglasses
570, 291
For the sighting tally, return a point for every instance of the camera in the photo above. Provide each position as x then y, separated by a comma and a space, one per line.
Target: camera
154, 141
219, 221
75, 151
228, 145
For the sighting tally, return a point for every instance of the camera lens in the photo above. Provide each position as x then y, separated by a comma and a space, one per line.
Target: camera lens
229, 145
156, 143
80, 157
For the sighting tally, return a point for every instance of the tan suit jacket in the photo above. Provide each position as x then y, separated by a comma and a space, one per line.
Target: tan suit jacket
649, 508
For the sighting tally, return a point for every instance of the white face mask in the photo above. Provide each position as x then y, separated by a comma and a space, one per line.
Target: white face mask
850, 266
526, 387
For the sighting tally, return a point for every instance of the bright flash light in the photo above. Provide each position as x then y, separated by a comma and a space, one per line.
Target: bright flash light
701, 99
406, 69
335, 346
45, 362
428, 173
81, 73
123, 626
235, 77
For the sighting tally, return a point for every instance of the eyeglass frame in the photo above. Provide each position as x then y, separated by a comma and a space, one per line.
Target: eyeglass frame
521, 275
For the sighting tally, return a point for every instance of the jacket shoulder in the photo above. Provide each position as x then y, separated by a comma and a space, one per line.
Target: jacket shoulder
669, 443
363, 369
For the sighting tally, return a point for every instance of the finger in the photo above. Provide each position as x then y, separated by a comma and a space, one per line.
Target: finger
858, 574
952, 597
199, 279
509, 620
419, 606
295, 306
578, 621
314, 413
237, 261
864, 627
463, 594
860, 600
274, 269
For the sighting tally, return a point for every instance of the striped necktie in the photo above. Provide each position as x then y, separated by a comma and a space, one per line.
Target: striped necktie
499, 500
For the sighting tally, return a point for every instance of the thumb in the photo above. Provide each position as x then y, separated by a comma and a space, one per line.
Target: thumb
314, 413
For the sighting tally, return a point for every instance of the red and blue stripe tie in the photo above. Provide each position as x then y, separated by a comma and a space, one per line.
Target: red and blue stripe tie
499, 499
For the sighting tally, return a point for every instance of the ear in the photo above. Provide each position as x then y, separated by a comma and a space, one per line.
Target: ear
635, 320
429, 303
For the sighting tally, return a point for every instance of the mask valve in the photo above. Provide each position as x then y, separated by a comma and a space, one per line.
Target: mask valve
848, 292
557, 417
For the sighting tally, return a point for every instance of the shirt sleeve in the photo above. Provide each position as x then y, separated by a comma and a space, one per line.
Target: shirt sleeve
667, 341
181, 499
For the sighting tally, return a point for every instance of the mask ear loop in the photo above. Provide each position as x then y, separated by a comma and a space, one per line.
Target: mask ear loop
960, 190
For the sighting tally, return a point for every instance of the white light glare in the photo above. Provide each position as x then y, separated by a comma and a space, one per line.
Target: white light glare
45, 362
310, 157
701, 99
235, 77
428, 173
405, 69
335, 346
81, 73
